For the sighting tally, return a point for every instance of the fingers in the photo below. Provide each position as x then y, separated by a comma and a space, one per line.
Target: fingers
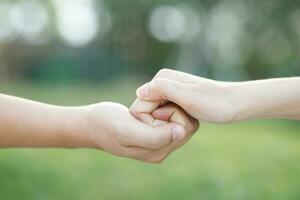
167, 86
160, 155
155, 155
143, 135
150, 113
170, 113
176, 76
163, 89
174, 113
161, 80
142, 110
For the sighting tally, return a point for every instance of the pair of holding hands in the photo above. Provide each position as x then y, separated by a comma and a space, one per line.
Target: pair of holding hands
163, 118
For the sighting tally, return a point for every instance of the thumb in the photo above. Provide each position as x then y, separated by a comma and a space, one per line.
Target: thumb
162, 89
155, 137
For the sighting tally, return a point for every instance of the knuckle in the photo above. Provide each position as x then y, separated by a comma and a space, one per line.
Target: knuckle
157, 81
156, 86
164, 72
134, 111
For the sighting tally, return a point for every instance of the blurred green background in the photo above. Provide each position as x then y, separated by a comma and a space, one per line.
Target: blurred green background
75, 52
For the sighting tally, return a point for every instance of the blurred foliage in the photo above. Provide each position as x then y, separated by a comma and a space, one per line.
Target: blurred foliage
227, 39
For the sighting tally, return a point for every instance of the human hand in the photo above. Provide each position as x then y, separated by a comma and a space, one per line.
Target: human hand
111, 127
156, 114
204, 99
106, 126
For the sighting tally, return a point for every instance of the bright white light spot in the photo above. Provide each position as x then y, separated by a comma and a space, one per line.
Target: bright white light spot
274, 47
6, 29
77, 21
174, 23
167, 23
224, 27
236, 53
230, 43
29, 19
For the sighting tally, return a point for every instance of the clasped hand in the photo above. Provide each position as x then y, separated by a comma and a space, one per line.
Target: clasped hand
163, 117
154, 127
146, 137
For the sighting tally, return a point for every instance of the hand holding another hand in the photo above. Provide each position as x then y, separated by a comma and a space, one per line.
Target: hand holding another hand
162, 118
174, 100
112, 128
104, 126
204, 99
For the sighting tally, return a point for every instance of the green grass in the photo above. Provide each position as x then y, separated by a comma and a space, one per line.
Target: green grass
250, 160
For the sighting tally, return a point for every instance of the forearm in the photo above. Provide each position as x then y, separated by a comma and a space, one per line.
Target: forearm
25, 123
271, 99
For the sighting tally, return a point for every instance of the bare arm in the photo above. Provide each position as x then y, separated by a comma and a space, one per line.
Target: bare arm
105, 126
271, 99
25, 123
224, 102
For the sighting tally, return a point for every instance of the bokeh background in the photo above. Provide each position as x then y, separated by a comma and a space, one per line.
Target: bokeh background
76, 52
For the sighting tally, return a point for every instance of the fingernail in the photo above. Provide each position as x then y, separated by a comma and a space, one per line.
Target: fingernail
178, 133
143, 91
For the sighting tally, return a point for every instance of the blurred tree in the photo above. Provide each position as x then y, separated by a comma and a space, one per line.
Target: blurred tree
226, 39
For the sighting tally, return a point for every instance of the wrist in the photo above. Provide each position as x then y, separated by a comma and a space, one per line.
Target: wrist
244, 105
75, 127
227, 102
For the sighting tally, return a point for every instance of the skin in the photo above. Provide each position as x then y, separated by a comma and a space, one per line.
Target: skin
221, 102
104, 126
153, 127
